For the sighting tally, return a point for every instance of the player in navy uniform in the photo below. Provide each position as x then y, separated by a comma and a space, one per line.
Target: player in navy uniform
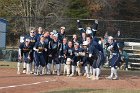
69, 55
40, 48
92, 52
99, 59
75, 58
75, 39
94, 27
61, 34
24, 55
54, 48
39, 33
89, 30
115, 58
62, 52
33, 40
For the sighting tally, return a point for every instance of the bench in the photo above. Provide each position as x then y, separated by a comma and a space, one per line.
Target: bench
133, 50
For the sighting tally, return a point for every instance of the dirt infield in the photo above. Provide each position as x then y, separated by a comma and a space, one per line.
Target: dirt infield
10, 82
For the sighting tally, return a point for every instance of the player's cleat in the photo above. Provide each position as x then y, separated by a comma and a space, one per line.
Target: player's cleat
48, 72
97, 78
31, 72
18, 72
115, 78
58, 73
24, 72
68, 75
87, 76
36, 74
28, 73
71, 75
93, 77
54, 72
126, 69
109, 78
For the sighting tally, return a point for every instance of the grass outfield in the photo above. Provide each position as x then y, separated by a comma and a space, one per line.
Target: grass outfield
94, 91
5, 64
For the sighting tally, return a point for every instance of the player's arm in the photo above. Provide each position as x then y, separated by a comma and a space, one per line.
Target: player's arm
35, 47
20, 51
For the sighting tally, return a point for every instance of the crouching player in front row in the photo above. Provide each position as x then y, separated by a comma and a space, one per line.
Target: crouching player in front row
114, 62
24, 56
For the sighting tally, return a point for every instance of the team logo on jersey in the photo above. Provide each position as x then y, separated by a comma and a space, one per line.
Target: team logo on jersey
54, 46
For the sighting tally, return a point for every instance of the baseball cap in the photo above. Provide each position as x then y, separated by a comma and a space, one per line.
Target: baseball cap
56, 35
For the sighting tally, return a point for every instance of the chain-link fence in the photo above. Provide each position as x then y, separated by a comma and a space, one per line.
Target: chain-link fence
19, 26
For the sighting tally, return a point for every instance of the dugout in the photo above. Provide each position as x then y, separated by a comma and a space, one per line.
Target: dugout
3, 31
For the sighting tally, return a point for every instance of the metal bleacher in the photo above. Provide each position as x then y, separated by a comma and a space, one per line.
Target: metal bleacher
133, 50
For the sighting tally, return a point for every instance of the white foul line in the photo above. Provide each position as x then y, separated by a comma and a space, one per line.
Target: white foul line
13, 86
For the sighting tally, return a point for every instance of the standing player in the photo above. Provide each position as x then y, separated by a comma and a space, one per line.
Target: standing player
33, 40
53, 52
62, 52
115, 58
40, 48
61, 34
99, 59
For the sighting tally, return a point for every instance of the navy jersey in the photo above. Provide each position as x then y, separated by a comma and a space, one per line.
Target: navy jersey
47, 40
33, 40
114, 47
63, 49
61, 36
40, 46
24, 48
93, 50
38, 36
70, 52
54, 48
97, 45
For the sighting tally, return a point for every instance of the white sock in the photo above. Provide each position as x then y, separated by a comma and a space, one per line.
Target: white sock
94, 72
97, 72
48, 67
18, 66
86, 69
112, 72
24, 65
31, 66
58, 66
115, 73
68, 69
65, 69
73, 69
28, 68
91, 70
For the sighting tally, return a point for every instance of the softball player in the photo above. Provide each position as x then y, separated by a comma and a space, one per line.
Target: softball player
99, 59
39, 55
115, 58
24, 55
75, 59
62, 53
54, 48
69, 55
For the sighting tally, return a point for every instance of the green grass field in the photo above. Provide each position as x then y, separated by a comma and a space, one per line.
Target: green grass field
94, 91
5, 64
